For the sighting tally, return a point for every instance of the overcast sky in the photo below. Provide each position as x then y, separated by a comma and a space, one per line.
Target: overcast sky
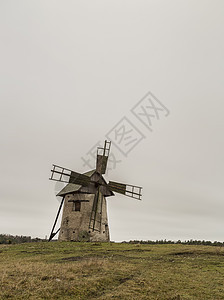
70, 71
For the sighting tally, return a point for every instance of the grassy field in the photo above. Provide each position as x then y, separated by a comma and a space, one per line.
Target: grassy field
63, 270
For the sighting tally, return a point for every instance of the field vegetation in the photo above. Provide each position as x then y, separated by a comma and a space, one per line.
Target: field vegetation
69, 270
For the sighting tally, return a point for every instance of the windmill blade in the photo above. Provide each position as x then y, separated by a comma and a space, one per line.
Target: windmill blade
129, 190
66, 175
102, 157
96, 213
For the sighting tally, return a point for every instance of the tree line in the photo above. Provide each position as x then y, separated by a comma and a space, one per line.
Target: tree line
17, 239
188, 242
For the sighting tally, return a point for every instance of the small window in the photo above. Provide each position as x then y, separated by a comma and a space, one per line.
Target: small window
77, 206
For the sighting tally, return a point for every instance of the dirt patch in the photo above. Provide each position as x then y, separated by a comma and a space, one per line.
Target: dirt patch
189, 253
184, 253
45, 278
79, 258
33, 252
122, 280
124, 257
129, 250
136, 250
96, 244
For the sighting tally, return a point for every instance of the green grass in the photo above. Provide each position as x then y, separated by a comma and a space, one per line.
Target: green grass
64, 270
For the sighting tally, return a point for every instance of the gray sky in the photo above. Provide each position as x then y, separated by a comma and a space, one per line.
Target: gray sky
71, 70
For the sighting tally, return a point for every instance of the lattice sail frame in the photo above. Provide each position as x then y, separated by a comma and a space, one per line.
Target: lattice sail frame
129, 190
66, 175
102, 157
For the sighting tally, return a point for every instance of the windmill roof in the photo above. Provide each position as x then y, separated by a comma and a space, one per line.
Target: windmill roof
69, 188
89, 173
72, 187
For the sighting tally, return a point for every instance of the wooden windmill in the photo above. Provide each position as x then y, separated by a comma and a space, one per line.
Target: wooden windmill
84, 215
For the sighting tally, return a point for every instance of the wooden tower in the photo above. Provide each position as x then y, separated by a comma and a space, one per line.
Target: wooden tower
84, 215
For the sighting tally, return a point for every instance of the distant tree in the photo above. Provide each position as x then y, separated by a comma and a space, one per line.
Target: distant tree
10, 239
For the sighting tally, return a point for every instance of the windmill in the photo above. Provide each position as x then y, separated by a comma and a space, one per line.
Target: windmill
84, 215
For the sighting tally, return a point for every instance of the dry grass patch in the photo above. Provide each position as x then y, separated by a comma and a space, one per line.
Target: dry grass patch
111, 271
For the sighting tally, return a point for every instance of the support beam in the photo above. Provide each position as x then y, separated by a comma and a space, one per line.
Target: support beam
52, 231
